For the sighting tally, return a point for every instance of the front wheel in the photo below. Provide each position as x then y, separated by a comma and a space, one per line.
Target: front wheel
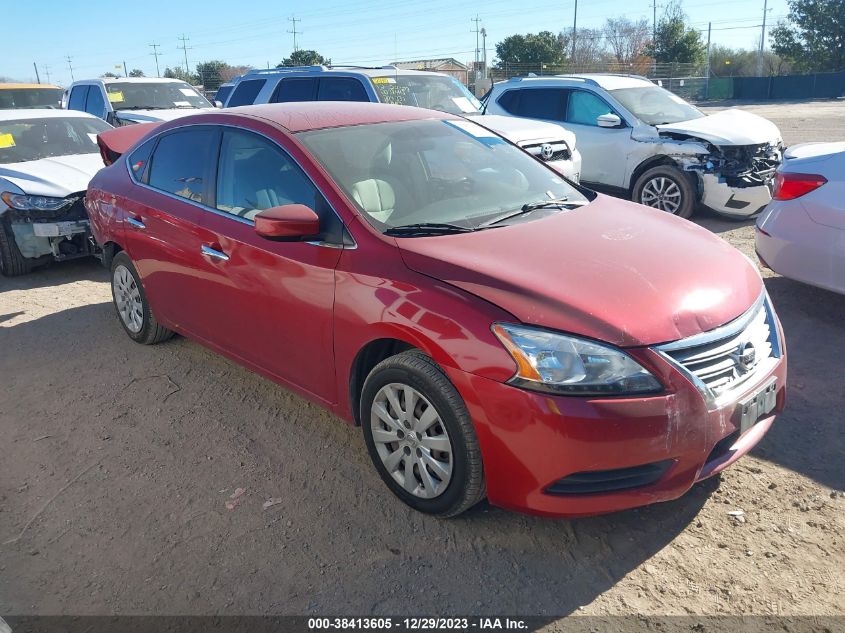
12, 263
420, 436
666, 188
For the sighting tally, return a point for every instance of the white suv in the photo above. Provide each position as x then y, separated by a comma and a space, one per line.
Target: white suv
129, 100
648, 144
548, 142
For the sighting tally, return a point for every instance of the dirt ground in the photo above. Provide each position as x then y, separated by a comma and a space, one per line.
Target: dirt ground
117, 460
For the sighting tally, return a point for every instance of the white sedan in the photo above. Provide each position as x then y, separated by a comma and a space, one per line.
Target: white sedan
47, 158
801, 233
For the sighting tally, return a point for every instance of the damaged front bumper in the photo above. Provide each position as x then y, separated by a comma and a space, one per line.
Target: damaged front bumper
63, 234
740, 202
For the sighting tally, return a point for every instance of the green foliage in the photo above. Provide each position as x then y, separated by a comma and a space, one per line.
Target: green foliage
179, 73
529, 52
136, 72
110, 75
305, 58
674, 41
210, 73
813, 37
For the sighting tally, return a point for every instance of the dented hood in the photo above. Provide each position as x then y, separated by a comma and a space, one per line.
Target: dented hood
57, 177
611, 270
729, 127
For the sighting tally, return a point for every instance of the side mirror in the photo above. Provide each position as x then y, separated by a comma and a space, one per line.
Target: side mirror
609, 120
288, 222
218, 104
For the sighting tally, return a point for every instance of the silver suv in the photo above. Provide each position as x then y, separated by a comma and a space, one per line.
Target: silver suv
548, 142
644, 142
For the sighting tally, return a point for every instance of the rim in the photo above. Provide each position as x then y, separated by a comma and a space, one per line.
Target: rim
127, 298
662, 193
411, 440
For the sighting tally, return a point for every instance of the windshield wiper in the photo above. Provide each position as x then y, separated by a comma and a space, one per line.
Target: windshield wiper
426, 228
551, 203
138, 107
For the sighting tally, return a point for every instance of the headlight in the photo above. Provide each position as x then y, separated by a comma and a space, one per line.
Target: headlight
22, 202
557, 363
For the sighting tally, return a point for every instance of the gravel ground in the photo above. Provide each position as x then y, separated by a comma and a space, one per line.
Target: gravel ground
117, 462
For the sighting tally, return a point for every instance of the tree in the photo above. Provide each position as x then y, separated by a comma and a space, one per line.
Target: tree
813, 37
528, 53
674, 42
230, 72
305, 58
626, 38
210, 73
136, 72
590, 52
179, 73
110, 75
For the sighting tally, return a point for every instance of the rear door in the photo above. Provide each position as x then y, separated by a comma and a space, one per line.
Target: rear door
161, 230
272, 301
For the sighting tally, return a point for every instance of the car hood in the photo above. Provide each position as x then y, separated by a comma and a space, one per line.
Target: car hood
524, 131
729, 127
146, 116
58, 177
611, 270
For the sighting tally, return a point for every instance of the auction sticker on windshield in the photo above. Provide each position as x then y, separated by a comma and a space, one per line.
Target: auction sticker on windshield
116, 97
6, 140
383, 80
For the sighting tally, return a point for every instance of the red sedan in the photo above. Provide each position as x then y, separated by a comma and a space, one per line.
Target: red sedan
495, 330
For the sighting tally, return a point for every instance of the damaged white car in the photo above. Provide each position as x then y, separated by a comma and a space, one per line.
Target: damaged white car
47, 158
650, 145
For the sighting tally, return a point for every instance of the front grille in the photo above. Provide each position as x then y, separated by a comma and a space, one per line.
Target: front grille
597, 481
560, 151
726, 357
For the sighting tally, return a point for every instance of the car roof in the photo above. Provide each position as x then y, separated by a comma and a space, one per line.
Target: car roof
140, 80
18, 86
608, 81
314, 115
380, 71
43, 113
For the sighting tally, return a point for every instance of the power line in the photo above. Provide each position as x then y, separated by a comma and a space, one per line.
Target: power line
185, 48
155, 54
70, 67
293, 20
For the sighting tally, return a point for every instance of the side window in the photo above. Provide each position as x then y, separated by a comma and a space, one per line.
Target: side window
585, 107
222, 94
341, 89
139, 159
246, 92
510, 101
96, 105
77, 98
254, 174
303, 89
178, 165
541, 103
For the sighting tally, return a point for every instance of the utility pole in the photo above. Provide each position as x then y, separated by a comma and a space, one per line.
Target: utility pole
707, 74
184, 48
47, 72
37, 78
477, 31
125, 72
762, 41
484, 53
70, 67
155, 54
574, 29
653, 21
293, 20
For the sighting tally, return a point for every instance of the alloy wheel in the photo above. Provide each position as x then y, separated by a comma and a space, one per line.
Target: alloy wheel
411, 440
662, 193
127, 298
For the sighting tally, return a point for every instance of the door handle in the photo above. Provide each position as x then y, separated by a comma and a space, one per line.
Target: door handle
213, 252
135, 223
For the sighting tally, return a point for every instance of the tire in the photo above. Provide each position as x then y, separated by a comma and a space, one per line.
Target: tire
130, 303
12, 263
666, 188
428, 490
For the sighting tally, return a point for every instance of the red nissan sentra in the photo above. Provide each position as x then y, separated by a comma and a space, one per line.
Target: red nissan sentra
495, 330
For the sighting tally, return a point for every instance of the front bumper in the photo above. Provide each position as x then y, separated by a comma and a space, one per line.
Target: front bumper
529, 441
738, 202
570, 168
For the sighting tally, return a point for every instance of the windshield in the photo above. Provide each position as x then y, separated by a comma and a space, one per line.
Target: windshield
655, 106
11, 98
435, 92
154, 96
433, 171
32, 139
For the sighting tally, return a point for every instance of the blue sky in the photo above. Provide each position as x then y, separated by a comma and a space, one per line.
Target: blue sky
99, 35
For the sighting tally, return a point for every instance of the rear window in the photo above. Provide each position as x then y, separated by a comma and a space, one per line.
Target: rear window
223, 93
301, 89
139, 159
534, 103
77, 98
246, 92
30, 98
341, 89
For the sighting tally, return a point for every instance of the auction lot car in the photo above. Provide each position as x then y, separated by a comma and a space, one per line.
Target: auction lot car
16, 95
801, 234
493, 328
650, 145
47, 158
387, 84
129, 100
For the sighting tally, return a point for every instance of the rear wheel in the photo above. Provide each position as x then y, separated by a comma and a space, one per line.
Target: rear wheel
666, 188
12, 263
131, 305
420, 437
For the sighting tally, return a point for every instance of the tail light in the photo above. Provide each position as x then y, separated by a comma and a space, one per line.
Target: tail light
789, 186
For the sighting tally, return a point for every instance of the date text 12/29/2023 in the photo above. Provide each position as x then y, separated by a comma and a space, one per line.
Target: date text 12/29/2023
418, 624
